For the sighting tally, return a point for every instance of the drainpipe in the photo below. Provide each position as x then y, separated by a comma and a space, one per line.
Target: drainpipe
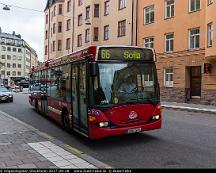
73, 26
132, 23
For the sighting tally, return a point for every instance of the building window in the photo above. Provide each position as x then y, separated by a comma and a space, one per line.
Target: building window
169, 8
87, 35
168, 77
47, 19
96, 10
3, 48
122, 4
53, 47
88, 12
14, 49
54, 26
149, 42
149, 14
106, 8
60, 11
68, 25
59, 45
14, 73
194, 5
8, 57
3, 57
68, 44
194, 38
122, 28
8, 73
80, 20
106, 32
69, 6
46, 35
96, 34
59, 27
80, 2
46, 50
210, 34
19, 66
54, 11
19, 73
8, 65
210, 2
19, 50
9, 49
169, 42
14, 65
79, 40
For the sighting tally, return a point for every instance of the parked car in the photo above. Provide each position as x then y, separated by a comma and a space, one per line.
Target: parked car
5, 95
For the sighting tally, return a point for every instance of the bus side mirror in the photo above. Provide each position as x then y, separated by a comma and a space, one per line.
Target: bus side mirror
93, 69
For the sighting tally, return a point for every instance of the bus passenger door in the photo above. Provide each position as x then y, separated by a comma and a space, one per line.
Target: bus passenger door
79, 98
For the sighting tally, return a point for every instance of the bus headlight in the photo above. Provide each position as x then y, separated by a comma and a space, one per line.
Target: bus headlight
156, 117
103, 124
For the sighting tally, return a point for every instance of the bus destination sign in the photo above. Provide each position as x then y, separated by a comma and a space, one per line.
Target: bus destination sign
127, 54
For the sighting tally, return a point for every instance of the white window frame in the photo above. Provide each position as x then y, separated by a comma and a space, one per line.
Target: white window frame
194, 36
210, 2
148, 42
170, 8
148, 11
122, 4
170, 41
210, 34
168, 83
195, 3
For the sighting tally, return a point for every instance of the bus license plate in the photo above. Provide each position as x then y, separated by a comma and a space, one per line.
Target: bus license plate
134, 130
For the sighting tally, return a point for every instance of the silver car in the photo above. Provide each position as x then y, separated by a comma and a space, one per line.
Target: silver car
5, 95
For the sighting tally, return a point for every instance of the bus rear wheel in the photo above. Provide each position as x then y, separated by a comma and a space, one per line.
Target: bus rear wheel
65, 120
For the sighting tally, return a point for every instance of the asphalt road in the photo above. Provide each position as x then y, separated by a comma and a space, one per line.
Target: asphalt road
187, 140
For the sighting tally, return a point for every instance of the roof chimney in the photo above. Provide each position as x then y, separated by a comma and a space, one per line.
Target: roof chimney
13, 33
0, 30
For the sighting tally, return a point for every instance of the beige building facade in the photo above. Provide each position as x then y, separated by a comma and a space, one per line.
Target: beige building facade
16, 57
183, 35
71, 25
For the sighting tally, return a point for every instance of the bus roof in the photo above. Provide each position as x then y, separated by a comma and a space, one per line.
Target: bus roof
79, 55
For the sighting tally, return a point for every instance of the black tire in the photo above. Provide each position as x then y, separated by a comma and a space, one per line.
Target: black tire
65, 120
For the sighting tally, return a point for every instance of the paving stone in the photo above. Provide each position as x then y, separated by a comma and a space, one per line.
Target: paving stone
42, 158
13, 162
30, 160
45, 164
55, 159
27, 166
62, 163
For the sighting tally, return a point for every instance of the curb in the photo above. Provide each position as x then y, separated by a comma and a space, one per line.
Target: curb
69, 148
190, 109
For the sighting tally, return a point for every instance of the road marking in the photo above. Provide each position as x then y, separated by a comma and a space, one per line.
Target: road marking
60, 157
74, 150
45, 135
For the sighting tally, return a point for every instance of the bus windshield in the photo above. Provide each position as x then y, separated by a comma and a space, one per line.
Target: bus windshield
125, 83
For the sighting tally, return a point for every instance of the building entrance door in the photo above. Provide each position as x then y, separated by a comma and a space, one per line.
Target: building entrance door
196, 80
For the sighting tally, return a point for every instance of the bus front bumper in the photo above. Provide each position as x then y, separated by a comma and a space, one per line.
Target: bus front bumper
97, 133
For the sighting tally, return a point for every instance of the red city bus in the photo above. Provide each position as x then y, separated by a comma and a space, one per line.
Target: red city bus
100, 91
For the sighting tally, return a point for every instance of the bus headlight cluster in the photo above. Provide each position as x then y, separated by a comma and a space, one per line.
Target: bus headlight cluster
156, 117
103, 124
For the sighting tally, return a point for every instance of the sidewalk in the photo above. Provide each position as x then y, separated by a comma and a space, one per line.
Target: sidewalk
189, 107
23, 146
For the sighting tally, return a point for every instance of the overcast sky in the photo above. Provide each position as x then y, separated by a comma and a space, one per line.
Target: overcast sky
29, 24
